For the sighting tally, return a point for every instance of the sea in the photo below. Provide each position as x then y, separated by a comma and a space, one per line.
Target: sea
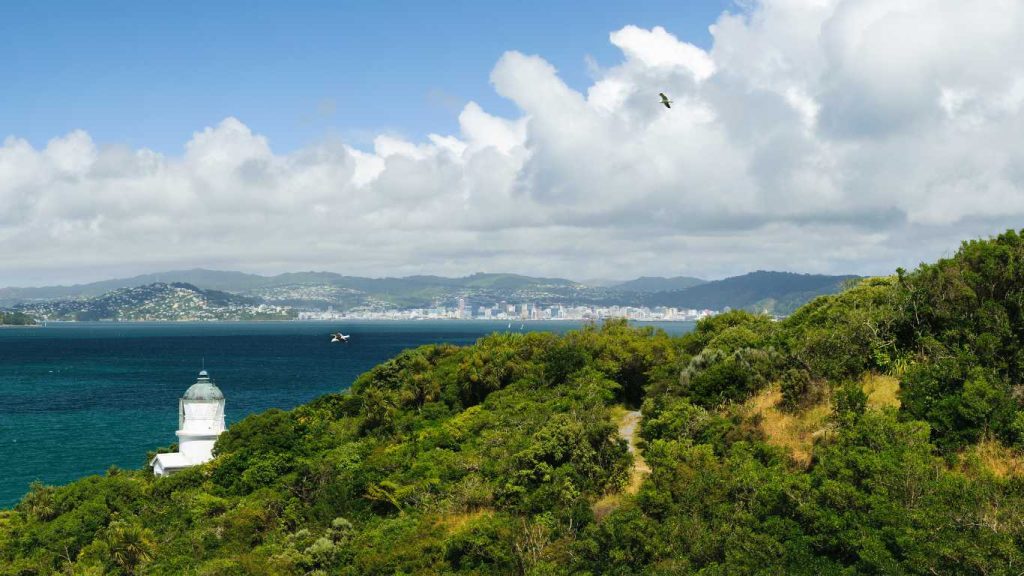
77, 398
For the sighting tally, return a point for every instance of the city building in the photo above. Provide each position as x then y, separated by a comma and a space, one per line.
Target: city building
200, 422
523, 311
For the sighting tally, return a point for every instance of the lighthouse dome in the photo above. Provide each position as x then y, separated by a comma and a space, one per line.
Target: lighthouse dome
203, 390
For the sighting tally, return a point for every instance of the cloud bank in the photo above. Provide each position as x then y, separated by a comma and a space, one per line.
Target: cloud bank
814, 135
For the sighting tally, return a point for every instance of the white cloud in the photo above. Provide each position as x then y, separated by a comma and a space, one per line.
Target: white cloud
656, 48
816, 135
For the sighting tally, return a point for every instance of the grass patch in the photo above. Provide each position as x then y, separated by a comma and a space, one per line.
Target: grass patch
452, 523
794, 432
992, 456
606, 505
617, 412
882, 391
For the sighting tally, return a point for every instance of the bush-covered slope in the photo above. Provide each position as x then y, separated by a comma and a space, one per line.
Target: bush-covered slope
177, 301
875, 431
773, 292
15, 319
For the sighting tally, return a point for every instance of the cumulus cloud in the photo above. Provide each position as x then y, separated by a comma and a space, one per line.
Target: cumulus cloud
813, 135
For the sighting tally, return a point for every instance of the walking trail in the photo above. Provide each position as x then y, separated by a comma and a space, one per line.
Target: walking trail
628, 423
628, 431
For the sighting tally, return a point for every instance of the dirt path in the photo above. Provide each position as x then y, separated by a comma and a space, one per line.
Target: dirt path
628, 431
628, 424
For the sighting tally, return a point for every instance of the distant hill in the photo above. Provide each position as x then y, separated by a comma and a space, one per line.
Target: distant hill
773, 292
158, 301
322, 289
414, 287
777, 292
208, 279
658, 284
600, 282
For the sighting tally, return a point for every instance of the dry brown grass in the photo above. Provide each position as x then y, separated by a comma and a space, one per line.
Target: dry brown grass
606, 505
452, 523
794, 432
1002, 461
609, 502
617, 412
882, 391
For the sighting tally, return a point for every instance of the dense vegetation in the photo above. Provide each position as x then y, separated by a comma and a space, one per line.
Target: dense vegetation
875, 431
15, 319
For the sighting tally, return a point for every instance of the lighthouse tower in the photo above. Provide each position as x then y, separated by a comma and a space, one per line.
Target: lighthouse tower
200, 422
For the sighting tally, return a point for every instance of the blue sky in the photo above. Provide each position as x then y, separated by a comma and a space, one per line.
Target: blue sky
149, 74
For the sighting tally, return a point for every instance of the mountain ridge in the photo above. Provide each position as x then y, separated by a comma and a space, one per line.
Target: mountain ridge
759, 291
658, 283
234, 281
773, 292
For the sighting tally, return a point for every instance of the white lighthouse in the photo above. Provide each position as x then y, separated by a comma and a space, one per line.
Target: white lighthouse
200, 422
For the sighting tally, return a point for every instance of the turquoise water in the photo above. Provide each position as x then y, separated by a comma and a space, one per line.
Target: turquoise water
76, 398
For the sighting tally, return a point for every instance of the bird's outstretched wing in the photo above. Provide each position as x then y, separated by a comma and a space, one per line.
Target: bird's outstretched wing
662, 94
667, 105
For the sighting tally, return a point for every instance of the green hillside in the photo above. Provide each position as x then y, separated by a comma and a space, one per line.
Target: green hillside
9, 318
242, 283
658, 284
773, 292
159, 301
209, 279
874, 431
319, 290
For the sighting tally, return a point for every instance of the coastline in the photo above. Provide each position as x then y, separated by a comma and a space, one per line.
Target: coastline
353, 319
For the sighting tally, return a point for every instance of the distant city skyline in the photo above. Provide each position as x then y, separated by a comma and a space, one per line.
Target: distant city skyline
526, 313
401, 138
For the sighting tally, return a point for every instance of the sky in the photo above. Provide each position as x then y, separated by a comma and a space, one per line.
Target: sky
396, 138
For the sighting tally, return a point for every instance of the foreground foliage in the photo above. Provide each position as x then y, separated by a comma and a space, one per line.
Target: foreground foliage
873, 431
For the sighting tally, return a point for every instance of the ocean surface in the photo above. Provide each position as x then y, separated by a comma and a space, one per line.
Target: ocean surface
77, 398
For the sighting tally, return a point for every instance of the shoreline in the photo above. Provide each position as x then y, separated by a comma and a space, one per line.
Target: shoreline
326, 321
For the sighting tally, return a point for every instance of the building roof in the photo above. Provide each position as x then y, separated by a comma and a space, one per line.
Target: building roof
204, 390
171, 460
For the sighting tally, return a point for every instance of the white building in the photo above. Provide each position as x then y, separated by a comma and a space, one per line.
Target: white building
200, 422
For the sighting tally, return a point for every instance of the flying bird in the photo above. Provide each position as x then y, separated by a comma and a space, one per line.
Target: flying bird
339, 337
665, 100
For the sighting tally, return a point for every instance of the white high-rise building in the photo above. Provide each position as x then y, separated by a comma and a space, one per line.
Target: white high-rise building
200, 422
